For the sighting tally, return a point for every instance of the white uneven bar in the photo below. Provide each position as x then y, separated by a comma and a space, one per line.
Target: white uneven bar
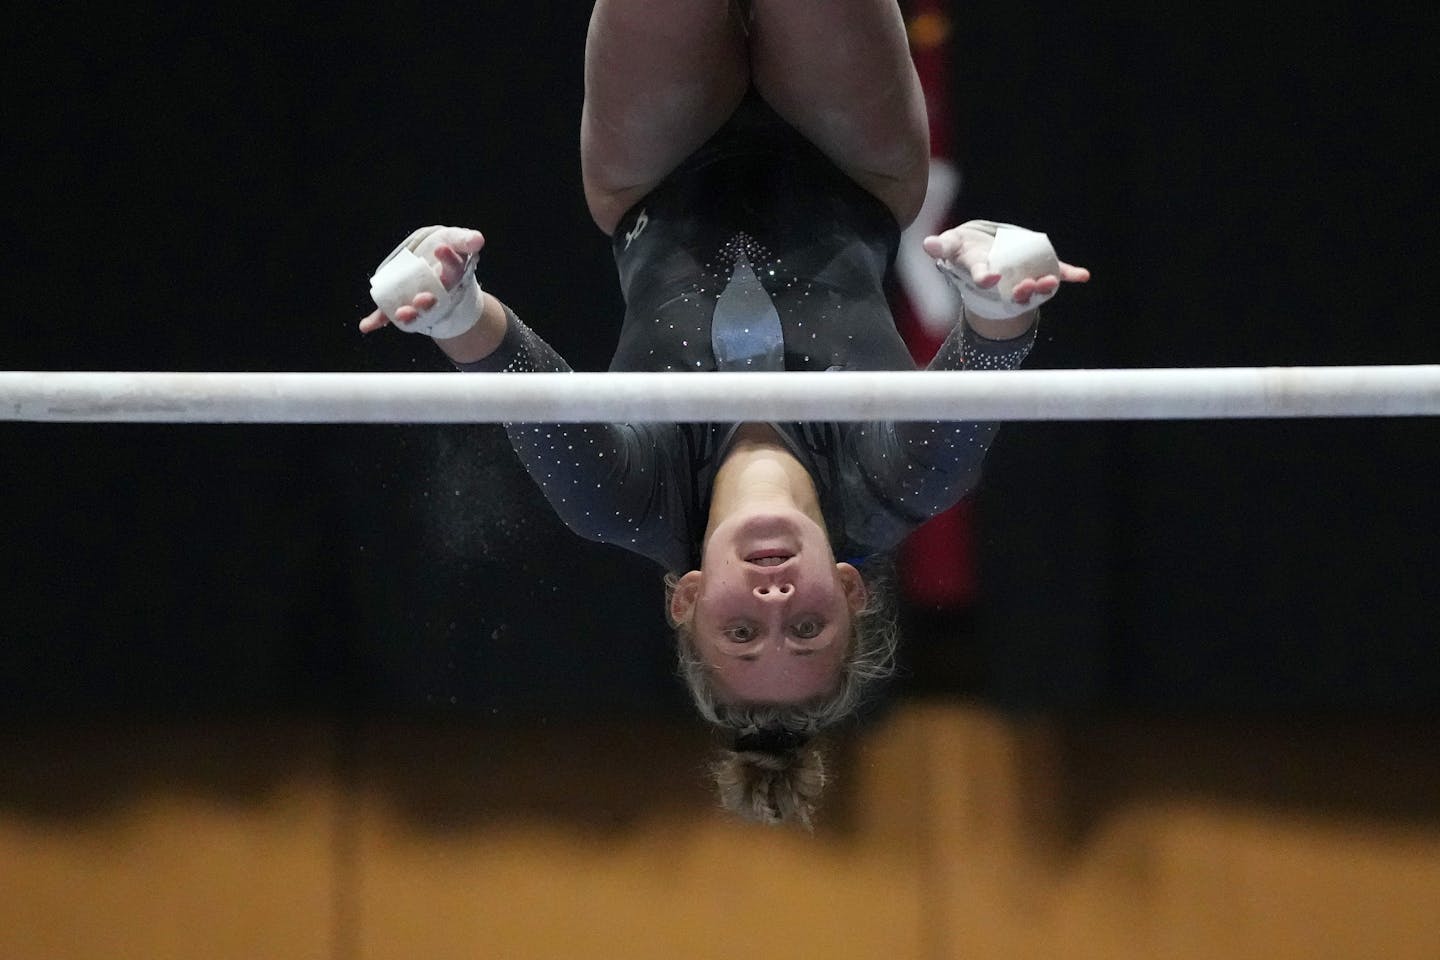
1213, 393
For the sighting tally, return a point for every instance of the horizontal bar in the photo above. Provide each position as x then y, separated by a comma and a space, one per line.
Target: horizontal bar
1188, 394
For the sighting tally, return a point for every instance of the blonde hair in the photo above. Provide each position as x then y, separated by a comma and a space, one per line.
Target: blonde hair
785, 785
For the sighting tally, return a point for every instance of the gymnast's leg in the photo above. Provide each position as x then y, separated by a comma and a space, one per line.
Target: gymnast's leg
840, 72
661, 76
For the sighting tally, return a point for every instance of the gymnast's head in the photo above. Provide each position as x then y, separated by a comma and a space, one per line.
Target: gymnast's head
777, 641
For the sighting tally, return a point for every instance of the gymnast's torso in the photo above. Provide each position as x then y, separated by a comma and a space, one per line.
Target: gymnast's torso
759, 196
758, 193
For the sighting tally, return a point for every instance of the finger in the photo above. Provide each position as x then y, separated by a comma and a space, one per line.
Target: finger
1073, 274
424, 301
1030, 286
944, 246
965, 256
464, 241
406, 314
373, 321
470, 242
982, 276
451, 266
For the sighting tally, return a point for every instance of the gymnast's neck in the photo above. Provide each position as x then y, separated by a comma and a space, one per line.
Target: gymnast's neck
760, 472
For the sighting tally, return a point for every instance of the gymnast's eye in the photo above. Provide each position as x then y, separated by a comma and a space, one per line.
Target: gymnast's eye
740, 633
808, 629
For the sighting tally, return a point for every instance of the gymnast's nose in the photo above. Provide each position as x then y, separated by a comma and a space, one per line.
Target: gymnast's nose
774, 591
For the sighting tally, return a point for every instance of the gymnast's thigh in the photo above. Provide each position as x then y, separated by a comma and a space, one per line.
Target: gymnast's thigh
841, 73
661, 76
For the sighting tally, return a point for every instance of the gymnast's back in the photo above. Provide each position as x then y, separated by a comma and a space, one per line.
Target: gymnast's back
758, 193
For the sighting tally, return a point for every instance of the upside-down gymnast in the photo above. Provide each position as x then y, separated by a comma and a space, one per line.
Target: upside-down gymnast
754, 164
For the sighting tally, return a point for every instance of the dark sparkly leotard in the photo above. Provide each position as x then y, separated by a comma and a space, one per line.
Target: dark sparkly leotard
757, 194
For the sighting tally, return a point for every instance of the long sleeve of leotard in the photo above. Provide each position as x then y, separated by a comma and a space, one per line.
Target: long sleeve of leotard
615, 483
907, 472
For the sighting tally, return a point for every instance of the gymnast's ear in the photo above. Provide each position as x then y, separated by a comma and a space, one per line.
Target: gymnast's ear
683, 596
853, 583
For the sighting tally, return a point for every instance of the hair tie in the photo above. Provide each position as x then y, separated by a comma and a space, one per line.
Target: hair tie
777, 740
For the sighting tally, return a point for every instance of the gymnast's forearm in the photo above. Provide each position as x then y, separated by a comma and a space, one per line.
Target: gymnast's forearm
942, 459
601, 478
482, 339
975, 343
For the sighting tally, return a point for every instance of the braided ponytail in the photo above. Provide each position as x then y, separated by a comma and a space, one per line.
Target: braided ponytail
771, 787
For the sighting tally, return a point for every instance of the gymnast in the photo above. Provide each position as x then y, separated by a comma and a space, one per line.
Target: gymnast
753, 162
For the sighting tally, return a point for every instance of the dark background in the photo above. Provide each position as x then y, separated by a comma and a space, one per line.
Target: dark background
209, 190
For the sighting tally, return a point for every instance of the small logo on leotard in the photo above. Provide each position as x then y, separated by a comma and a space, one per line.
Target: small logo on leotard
641, 222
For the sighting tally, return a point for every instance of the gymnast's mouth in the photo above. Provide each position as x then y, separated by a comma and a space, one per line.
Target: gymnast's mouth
768, 558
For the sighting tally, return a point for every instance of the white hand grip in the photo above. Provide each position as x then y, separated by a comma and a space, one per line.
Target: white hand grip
1016, 255
404, 275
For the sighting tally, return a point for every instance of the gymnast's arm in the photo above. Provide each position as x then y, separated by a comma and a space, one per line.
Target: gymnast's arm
607, 482
913, 471
910, 471
616, 483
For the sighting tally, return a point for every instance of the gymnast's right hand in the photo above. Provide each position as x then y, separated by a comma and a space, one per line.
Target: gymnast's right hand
427, 284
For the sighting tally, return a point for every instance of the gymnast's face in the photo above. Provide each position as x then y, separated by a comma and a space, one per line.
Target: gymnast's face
770, 608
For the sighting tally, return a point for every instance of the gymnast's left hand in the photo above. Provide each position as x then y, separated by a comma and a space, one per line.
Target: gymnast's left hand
964, 252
